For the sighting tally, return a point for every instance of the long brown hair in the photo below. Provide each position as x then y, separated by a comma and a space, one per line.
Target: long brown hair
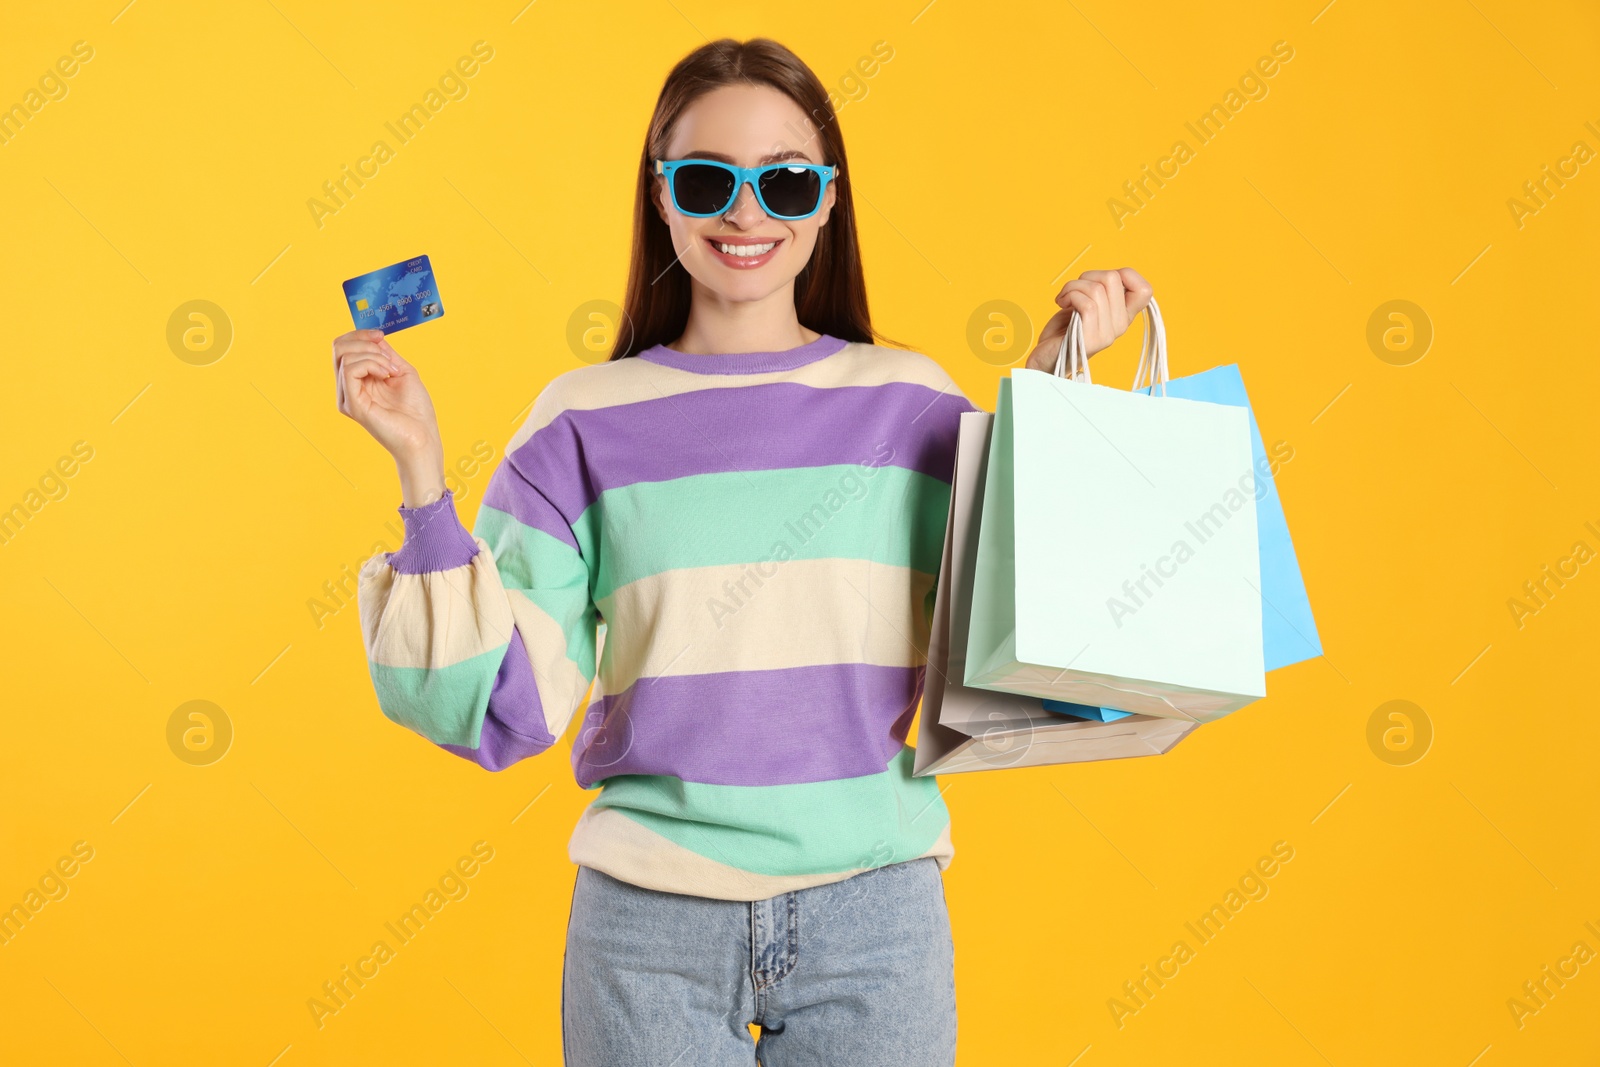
830, 293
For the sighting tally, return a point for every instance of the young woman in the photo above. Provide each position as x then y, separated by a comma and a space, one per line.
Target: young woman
734, 525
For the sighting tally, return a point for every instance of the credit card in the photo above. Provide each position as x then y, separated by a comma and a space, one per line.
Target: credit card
395, 297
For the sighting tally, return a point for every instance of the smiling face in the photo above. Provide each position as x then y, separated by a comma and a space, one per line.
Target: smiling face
746, 125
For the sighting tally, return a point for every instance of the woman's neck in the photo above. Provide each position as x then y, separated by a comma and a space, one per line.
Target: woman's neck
724, 327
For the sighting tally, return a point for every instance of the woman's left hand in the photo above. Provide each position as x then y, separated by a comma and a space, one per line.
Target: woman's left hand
1106, 300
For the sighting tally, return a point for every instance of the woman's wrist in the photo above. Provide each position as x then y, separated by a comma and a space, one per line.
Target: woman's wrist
421, 476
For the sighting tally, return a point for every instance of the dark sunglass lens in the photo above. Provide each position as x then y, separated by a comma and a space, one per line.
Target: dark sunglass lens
702, 189
791, 191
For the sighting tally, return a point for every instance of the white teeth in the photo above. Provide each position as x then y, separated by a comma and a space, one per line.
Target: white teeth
746, 250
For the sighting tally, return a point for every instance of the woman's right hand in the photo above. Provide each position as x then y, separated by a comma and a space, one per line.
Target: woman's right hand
385, 395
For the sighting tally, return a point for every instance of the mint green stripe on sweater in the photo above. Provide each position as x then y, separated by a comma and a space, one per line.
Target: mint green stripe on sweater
846, 823
549, 573
889, 515
444, 704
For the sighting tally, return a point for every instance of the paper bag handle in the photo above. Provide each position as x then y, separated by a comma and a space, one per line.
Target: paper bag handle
1071, 352
1072, 361
1153, 357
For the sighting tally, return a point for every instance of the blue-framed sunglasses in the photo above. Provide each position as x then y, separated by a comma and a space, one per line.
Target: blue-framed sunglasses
789, 191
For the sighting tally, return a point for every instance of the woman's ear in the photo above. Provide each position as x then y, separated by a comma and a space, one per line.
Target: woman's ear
828, 198
658, 195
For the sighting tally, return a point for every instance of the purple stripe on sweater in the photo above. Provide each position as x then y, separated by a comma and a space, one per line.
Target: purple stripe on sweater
776, 727
581, 454
522, 491
435, 540
514, 726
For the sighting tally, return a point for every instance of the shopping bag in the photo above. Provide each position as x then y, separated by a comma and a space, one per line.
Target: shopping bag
1288, 631
1118, 562
1084, 711
967, 729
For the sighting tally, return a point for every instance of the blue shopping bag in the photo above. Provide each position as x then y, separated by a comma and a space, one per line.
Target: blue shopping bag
1084, 711
1288, 632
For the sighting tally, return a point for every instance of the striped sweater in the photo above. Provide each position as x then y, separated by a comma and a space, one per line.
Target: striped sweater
741, 550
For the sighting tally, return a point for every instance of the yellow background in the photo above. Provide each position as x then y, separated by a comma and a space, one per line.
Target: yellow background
220, 498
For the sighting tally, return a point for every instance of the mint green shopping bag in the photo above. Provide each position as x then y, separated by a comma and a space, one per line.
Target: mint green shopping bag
1117, 563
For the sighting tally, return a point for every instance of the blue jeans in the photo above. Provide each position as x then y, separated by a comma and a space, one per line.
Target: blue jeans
857, 973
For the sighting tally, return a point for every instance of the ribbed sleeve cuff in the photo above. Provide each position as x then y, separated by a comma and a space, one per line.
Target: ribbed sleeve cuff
435, 539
